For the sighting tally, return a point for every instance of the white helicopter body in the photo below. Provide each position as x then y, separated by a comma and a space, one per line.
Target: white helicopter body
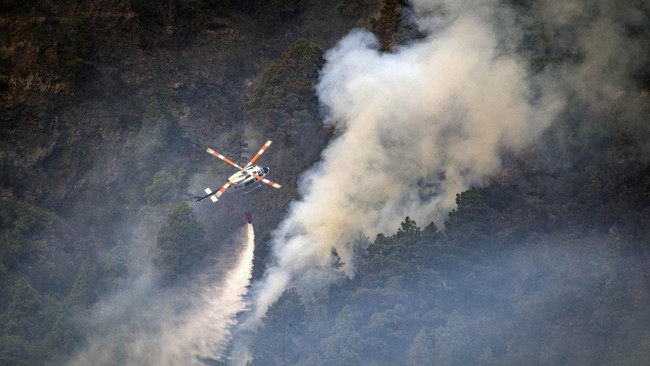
245, 178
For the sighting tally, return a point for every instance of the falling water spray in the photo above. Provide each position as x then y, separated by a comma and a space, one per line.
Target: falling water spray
207, 330
159, 332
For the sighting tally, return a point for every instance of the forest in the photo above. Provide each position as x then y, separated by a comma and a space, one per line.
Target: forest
525, 243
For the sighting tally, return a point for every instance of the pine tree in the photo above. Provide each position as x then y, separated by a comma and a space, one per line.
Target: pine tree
181, 243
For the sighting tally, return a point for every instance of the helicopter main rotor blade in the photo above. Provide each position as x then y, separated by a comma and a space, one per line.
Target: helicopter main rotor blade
214, 197
266, 181
259, 153
218, 155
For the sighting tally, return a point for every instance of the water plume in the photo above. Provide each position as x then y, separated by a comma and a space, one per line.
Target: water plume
204, 334
185, 327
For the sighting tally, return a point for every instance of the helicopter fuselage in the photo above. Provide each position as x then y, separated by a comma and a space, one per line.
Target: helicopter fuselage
244, 178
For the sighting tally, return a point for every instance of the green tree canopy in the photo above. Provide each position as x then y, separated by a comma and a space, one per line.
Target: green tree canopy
285, 99
284, 330
181, 242
162, 188
25, 316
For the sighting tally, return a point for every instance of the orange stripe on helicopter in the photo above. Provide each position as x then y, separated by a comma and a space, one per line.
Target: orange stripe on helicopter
259, 153
218, 155
223, 189
266, 181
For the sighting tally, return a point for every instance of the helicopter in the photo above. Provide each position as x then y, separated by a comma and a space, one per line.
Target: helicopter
247, 178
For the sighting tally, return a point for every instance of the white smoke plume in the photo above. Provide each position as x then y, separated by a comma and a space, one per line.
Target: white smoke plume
415, 127
434, 117
152, 330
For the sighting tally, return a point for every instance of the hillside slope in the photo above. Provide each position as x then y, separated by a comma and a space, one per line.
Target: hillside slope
107, 107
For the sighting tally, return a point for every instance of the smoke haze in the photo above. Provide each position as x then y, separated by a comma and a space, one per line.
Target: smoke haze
601, 33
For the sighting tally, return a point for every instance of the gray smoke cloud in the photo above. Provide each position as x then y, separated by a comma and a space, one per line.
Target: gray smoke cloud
600, 33
415, 127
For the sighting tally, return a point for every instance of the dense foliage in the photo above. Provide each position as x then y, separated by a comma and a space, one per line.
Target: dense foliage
181, 242
284, 103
